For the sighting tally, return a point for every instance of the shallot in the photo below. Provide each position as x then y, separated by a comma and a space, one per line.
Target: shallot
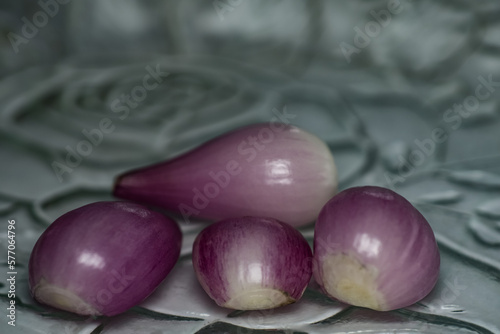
252, 263
373, 249
103, 258
271, 170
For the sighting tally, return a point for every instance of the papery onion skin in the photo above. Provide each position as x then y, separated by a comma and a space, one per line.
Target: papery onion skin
372, 248
272, 170
252, 263
103, 258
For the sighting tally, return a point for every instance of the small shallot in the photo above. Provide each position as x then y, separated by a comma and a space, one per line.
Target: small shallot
252, 263
373, 249
103, 258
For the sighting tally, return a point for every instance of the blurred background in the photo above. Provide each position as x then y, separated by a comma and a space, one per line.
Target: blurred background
405, 93
398, 64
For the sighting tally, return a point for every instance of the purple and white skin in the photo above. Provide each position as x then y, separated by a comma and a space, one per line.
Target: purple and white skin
252, 263
373, 249
103, 258
271, 170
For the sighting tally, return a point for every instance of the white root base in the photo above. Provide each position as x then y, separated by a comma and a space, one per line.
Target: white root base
259, 299
62, 299
348, 280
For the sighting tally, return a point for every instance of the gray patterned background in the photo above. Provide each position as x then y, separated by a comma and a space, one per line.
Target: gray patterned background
405, 93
